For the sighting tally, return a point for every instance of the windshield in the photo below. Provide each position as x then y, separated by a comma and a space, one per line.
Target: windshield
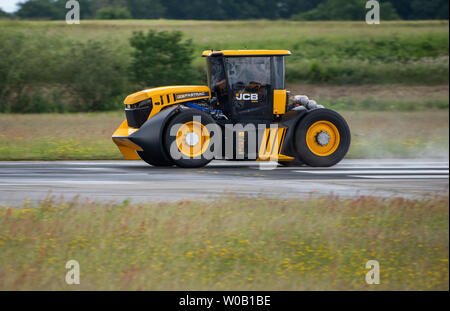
243, 71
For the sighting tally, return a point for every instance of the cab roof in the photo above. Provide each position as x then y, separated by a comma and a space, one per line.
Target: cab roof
208, 53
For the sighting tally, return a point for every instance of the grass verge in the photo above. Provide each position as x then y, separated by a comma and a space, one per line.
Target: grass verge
230, 244
390, 134
375, 134
407, 52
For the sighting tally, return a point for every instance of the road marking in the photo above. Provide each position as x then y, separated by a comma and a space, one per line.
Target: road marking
370, 167
401, 176
386, 173
377, 172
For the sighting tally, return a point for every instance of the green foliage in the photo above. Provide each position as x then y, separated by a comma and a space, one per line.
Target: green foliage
162, 58
94, 67
419, 9
237, 9
24, 61
345, 10
48, 73
3, 14
52, 74
388, 12
426, 72
429, 9
97, 73
422, 59
388, 49
113, 13
41, 9
381, 104
145, 9
226, 10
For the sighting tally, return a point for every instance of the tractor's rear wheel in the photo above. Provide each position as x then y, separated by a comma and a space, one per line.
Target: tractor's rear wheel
148, 159
187, 138
322, 138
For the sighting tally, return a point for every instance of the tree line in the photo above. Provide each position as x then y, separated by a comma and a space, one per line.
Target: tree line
50, 73
47, 72
232, 9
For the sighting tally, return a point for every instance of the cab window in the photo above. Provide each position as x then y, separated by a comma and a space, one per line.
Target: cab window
215, 72
248, 71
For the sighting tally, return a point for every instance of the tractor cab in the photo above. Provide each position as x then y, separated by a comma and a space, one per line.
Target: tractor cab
249, 85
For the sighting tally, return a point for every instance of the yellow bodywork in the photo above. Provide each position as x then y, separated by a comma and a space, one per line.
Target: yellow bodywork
324, 127
279, 102
167, 96
200, 131
161, 98
126, 146
270, 148
247, 52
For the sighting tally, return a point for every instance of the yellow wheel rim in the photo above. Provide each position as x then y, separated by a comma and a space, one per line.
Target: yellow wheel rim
322, 138
192, 139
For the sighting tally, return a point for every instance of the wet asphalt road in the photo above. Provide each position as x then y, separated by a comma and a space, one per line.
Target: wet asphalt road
135, 180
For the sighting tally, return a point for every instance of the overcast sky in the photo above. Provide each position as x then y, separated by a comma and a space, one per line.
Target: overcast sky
9, 5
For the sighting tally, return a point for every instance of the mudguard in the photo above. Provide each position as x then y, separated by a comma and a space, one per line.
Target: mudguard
148, 138
290, 120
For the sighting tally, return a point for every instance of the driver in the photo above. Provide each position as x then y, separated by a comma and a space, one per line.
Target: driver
220, 87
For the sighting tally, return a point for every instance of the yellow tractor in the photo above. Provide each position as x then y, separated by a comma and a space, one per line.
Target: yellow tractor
244, 113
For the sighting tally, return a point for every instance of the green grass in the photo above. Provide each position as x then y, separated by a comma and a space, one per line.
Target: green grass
84, 136
223, 34
408, 52
49, 148
230, 244
380, 104
390, 134
388, 98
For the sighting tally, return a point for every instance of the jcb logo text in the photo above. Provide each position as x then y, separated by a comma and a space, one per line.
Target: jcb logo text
247, 96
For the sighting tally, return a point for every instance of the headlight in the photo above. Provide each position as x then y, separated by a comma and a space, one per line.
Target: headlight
142, 104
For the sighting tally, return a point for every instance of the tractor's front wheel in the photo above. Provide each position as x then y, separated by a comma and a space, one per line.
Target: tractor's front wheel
322, 138
149, 160
188, 139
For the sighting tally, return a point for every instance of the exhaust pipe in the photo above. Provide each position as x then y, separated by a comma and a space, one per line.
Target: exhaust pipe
304, 101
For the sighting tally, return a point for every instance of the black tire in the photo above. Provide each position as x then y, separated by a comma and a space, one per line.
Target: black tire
148, 159
182, 160
304, 152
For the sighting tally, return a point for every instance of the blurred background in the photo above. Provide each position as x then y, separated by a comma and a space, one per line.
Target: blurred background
61, 97
389, 80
